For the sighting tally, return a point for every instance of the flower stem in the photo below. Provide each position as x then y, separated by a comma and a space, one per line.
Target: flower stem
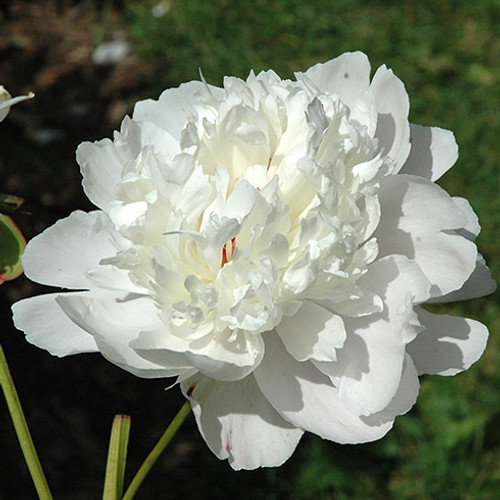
160, 446
22, 431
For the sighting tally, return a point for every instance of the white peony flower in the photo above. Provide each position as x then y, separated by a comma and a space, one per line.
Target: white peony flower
270, 244
6, 101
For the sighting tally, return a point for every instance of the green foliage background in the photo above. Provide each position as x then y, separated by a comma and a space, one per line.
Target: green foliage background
448, 55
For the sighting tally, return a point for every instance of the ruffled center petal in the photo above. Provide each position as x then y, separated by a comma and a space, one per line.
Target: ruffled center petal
270, 201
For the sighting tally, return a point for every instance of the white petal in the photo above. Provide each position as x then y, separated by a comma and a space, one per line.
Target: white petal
239, 424
46, 326
194, 195
150, 345
420, 203
433, 152
355, 305
126, 214
222, 360
370, 364
240, 202
63, 253
218, 356
312, 333
472, 228
308, 400
479, 284
115, 320
175, 106
364, 112
418, 220
380, 374
138, 134
223, 356
397, 280
101, 164
393, 130
348, 76
112, 278
447, 260
449, 344
405, 397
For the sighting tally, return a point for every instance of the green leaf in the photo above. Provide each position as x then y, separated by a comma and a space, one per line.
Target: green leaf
117, 458
12, 245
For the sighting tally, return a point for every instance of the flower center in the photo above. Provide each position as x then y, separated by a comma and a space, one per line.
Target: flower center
299, 195
227, 252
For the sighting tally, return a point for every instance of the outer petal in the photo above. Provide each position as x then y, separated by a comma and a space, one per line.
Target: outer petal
46, 326
115, 320
307, 399
216, 356
405, 397
448, 345
104, 163
433, 152
370, 365
63, 253
219, 359
239, 424
312, 333
393, 105
348, 76
175, 106
101, 164
149, 345
418, 220
479, 284
472, 228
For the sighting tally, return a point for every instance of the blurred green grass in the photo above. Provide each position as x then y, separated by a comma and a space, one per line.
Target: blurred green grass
448, 55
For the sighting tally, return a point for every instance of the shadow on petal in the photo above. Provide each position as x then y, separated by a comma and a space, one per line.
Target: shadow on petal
449, 344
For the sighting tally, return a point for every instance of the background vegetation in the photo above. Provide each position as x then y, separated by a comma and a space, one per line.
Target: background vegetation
448, 55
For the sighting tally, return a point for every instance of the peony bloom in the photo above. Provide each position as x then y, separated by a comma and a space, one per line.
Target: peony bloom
270, 244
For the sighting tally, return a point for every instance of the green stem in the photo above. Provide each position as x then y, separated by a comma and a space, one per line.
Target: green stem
157, 451
117, 458
22, 431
